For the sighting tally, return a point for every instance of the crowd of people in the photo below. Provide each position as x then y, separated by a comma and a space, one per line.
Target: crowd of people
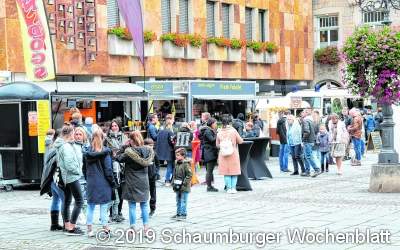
315, 142
102, 165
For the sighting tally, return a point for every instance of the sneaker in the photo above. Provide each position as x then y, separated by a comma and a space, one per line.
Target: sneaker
167, 184
233, 191
212, 189
121, 217
287, 171
229, 191
295, 173
56, 228
182, 217
316, 173
75, 232
305, 174
175, 217
91, 234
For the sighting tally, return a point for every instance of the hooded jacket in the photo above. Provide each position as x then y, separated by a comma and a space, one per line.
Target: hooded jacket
136, 186
69, 159
183, 172
50, 164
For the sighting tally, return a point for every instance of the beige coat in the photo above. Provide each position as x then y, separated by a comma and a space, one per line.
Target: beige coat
229, 165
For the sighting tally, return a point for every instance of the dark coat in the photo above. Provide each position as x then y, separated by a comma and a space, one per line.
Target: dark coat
99, 176
50, 164
181, 131
239, 126
152, 131
183, 172
210, 150
164, 145
281, 130
307, 129
137, 159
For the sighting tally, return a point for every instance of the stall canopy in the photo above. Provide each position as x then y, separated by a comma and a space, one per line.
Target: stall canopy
223, 90
80, 90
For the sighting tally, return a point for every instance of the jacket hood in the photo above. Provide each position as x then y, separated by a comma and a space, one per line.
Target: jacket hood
59, 142
141, 155
91, 155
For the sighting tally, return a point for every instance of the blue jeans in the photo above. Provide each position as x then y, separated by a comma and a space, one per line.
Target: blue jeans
283, 156
308, 157
144, 207
103, 213
324, 157
170, 171
357, 143
57, 197
230, 181
181, 203
316, 155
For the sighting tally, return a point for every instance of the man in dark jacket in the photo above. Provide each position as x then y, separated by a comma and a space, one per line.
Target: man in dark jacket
281, 129
308, 138
184, 139
239, 124
152, 133
378, 120
210, 152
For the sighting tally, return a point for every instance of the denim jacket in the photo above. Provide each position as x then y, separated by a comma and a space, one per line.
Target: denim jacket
294, 134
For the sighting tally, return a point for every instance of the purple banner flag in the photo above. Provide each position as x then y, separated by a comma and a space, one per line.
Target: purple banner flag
131, 11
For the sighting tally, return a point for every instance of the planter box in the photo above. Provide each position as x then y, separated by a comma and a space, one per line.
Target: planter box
253, 57
171, 51
120, 47
192, 52
234, 55
270, 57
148, 50
216, 53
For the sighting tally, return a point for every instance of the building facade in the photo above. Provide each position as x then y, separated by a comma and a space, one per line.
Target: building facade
334, 21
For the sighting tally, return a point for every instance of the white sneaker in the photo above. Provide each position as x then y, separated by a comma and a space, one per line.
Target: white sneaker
233, 191
90, 234
229, 191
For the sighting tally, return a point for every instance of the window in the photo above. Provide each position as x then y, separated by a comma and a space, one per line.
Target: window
210, 19
374, 17
249, 24
328, 31
183, 16
166, 16
112, 13
262, 25
226, 32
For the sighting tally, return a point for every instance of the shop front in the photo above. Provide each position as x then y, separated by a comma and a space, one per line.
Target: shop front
166, 97
222, 97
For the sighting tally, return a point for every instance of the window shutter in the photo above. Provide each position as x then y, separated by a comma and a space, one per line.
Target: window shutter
210, 19
249, 24
112, 13
183, 16
261, 21
166, 16
225, 21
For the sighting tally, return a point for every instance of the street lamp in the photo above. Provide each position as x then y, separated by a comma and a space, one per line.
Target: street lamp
385, 176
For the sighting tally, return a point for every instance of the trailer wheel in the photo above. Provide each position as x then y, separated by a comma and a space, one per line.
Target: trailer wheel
8, 188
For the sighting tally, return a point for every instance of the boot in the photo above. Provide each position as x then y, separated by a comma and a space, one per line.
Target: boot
54, 221
322, 168
327, 167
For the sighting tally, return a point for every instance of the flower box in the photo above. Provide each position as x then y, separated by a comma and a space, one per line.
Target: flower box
170, 50
192, 52
234, 55
148, 50
216, 53
270, 57
120, 47
254, 57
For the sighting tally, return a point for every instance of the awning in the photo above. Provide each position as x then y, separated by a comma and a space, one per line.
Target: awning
79, 90
226, 97
165, 98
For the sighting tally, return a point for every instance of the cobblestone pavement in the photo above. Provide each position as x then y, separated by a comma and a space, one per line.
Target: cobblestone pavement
328, 202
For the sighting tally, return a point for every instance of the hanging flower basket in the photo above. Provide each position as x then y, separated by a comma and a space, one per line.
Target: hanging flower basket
327, 56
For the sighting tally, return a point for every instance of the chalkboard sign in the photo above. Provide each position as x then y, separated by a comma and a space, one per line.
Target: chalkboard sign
374, 141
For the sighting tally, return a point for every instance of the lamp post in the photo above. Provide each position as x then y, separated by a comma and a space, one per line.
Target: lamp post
385, 176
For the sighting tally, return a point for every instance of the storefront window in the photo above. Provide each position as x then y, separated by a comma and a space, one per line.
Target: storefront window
315, 102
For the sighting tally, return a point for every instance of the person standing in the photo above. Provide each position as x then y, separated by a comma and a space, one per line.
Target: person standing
152, 179
294, 142
258, 124
184, 138
137, 159
81, 141
340, 140
152, 133
323, 144
181, 183
228, 157
69, 160
355, 131
210, 152
378, 120
165, 148
114, 141
239, 124
281, 130
369, 124
308, 139
317, 121
100, 180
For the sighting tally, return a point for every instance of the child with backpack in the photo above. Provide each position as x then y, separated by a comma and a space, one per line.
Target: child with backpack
181, 182
323, 143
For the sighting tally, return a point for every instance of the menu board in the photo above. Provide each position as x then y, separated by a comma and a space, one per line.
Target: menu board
43, 123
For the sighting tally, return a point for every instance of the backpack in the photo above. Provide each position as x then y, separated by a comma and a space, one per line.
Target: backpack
183, 139
226, 146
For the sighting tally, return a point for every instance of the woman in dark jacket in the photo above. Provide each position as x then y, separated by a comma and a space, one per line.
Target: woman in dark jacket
99, 178
137, 158
165, 148
210, 152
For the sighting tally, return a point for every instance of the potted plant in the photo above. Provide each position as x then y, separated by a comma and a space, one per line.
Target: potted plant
270, 52
149, 38
255, 52
235, 50
120, 42
193, 49
217, 48
327, 56
173, 45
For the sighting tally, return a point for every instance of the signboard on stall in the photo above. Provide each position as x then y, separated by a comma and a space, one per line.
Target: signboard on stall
32, 123
223, 88
374, 141
43, 123
159, 88
295, 102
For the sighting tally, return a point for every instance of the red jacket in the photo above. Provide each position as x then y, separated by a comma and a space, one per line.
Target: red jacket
355, 127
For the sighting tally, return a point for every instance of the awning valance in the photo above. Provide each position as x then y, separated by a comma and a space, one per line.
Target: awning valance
226, 97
